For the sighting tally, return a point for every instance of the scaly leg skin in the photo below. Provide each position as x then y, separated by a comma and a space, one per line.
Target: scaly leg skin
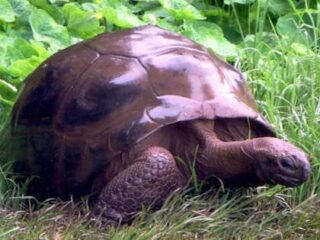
146, 183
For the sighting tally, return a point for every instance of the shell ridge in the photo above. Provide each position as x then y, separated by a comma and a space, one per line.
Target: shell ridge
159, 51
152, 88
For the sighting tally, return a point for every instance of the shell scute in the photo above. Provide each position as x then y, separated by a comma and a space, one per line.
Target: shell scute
43, 91
108, 97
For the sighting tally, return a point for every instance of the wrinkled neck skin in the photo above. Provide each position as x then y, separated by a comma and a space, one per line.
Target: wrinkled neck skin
230, 162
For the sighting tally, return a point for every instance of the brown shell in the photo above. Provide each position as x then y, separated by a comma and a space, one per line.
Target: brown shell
100, 96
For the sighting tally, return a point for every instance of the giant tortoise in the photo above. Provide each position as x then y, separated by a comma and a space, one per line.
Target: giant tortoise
110, 117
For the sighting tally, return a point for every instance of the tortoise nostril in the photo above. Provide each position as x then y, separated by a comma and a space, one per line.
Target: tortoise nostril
285, 163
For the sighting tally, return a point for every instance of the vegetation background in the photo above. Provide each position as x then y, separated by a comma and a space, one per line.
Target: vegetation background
275, 42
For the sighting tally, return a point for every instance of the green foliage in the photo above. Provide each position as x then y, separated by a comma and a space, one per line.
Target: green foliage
210, 35
181, 10
6, 11
275, 42
121, 16
45, 29
81, 23
32, 30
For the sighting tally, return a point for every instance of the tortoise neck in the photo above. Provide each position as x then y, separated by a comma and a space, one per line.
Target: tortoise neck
228, 161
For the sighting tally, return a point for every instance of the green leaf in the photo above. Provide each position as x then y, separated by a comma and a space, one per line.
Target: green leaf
59, 1
215, 12
91, 7
22, 68
121, 16
7, 90
51, 9
13, 48
211, 36
5, 41
289, 27
154, 20
45, 29
264, 42
181, 10
279, 7
4, 104
21, 7
18, 57
6, 12
301, 49
20, 49
81, 23
229, 2
42, 52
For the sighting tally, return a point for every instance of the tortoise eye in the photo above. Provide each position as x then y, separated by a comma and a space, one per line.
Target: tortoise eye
285, 163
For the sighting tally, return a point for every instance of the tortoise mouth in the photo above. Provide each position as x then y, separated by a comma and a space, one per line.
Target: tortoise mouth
286, 180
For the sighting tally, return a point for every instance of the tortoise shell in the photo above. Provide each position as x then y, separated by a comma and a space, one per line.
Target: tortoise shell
99, 97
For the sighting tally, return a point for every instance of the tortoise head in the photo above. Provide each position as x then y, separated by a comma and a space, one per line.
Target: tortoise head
280, 162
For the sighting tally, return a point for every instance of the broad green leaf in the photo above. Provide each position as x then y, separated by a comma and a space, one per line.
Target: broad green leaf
289, 26
6, 11
5, 43
59, 1
21, 7
51, 9
81, 23
91, 7
45, 29
110, 3
14, 48
159, 12
121, 17
279, 7
152, 19
4, 104
7, 90
2, 53
264, 43
301, 49
216, 12
181, 10
211, 36
22, 68
229, 2
42, 52
20, 49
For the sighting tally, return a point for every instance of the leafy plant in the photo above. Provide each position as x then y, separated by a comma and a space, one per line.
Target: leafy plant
275, 42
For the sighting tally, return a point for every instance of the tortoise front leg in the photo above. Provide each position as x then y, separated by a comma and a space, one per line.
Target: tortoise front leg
147, 182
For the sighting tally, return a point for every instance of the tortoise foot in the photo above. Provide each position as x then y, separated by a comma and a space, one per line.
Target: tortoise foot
146, 183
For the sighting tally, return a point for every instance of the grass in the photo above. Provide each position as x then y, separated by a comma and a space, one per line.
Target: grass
263, 213
286, 83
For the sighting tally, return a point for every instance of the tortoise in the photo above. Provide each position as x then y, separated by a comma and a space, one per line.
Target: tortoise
110, 117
